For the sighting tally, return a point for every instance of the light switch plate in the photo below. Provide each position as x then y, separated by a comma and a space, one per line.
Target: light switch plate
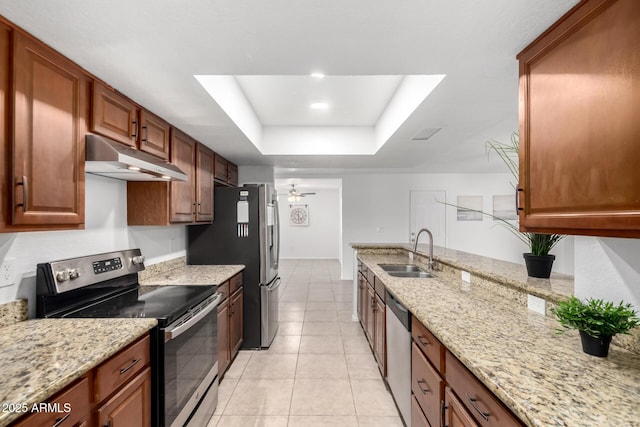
536, 304
465, 276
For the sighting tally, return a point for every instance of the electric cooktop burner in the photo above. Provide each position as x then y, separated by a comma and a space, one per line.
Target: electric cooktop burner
165, 303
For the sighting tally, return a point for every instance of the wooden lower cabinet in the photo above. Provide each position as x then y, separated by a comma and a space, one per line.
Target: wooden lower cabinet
224, 355
235, 322
77, 413
117, 393
454, 413
230, 312
370, 307
380, 335
426, 385
417, 416
361, 298
131, 406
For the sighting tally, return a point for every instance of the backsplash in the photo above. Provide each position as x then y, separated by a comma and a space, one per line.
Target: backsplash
13, 312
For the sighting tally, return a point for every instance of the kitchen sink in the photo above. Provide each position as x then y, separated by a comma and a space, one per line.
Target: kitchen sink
405, 270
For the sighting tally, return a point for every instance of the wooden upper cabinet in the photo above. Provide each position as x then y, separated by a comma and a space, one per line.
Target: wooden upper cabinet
204, 184
154, 135
220, 171
232, 174
50, 114
117, 117
183, 154
579, 127
114, 115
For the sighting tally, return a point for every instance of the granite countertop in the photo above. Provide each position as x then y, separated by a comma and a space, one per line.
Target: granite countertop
557, 287
40, 357
190, 275
544, 378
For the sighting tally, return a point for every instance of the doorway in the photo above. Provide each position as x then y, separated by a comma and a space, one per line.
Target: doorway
427, 211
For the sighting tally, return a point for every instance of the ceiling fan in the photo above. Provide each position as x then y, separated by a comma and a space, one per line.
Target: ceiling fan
294, 195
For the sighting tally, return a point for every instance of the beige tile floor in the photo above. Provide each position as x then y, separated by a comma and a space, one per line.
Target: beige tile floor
319, 370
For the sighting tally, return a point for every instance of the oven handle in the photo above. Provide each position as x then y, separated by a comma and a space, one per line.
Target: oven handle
182, 325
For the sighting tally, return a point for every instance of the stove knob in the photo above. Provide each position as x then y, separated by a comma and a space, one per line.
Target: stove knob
62, 276
74, 273
137, 259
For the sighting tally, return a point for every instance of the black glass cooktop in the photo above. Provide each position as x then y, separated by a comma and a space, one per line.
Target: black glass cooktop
164, 303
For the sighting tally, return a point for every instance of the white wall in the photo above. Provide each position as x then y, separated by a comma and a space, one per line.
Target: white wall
105, 230
608, 268
321, 239
373, 202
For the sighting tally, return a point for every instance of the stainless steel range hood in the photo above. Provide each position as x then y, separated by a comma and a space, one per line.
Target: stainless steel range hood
114, 160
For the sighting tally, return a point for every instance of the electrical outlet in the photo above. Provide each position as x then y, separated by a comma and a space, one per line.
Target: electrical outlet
536, 304
465, 276
7, 272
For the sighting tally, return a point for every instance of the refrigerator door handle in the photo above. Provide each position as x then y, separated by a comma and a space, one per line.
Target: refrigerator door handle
276, 228
275, 285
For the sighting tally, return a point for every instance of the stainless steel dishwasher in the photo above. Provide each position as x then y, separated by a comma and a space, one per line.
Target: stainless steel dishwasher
399, 355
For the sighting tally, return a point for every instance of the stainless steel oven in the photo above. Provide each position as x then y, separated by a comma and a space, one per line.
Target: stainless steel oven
184, 344
189, 350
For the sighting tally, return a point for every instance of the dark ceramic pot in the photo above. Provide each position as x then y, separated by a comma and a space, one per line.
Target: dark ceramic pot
595, 346
539, 265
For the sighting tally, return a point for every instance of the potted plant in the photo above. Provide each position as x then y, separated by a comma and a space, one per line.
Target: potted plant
596, 320
538, 261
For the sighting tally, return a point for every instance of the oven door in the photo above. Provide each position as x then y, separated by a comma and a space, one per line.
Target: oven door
190, 365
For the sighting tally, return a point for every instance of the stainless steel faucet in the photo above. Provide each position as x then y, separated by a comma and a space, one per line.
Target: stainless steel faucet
415, 246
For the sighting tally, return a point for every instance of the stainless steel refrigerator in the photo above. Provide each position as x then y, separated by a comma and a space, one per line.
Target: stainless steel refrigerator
245, 230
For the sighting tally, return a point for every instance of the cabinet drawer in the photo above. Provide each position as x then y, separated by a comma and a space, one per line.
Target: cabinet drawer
235, 282
75, 399
379, 287
121, 368
426, 385
428, 344
483, 406
131, 406
224, 291
371, 277
417, 416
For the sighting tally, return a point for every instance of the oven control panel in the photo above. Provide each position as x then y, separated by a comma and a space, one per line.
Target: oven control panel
103, 266
68, 274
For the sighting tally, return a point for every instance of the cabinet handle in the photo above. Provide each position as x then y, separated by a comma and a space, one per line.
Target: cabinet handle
518, 191
108, 424
125, 370
423, 390
422, 341
59, 421
146, 134
473, 400
135, 129
25, 193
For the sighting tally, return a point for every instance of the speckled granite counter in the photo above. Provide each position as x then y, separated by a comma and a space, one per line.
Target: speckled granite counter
544, 378
40, 357
176, 273
559, 286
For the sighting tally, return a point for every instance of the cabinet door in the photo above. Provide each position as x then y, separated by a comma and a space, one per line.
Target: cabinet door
371, 306
454, 414
183, 154
131, 406
50, 115
224, 352
235, 327
113, 115
220, 172
362, 299
204, 184
579, 127
426, 386
379, 345
232, 174
154, 135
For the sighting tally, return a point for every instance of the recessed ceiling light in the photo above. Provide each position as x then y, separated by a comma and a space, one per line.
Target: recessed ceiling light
319, 106
317, 75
